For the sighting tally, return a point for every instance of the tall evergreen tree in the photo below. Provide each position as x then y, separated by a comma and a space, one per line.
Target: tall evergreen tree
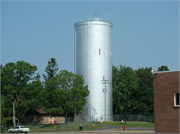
51, 69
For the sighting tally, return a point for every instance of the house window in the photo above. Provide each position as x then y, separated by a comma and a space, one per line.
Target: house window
176, 99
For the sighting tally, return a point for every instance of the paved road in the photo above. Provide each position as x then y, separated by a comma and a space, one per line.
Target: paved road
100, 131
95, 132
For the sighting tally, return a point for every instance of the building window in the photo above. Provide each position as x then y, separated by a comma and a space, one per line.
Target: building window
176, 99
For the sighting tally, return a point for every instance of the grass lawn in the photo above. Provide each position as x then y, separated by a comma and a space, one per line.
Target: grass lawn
128, 123
74, 126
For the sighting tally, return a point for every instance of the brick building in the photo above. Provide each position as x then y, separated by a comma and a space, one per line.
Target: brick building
166, 101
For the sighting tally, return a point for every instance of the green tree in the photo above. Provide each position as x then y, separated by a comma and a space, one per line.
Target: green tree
143, 99
124, 85
50, 92
163, 68
4, 110
20, 87
65, 94
51, 69
37, 77
115, 79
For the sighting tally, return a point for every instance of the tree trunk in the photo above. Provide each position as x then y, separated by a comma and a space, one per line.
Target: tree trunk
18, 117
18, 121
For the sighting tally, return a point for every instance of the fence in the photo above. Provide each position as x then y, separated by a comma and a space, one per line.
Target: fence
130, 117
73, 123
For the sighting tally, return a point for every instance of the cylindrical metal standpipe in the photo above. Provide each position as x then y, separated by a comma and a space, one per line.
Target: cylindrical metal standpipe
93, 60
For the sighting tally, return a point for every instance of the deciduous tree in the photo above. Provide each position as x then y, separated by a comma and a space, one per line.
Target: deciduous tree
65, 94
143, 99
124, 85
20, 87
163, 68
5, 114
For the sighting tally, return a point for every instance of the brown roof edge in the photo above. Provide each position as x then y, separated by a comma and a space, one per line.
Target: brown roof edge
41, 111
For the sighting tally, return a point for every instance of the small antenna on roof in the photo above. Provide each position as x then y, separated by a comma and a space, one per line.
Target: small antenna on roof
96, 15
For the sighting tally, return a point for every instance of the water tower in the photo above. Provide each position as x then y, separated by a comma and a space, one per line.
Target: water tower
93, 60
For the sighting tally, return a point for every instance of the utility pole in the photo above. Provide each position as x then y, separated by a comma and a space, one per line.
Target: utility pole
14, 117
105, 90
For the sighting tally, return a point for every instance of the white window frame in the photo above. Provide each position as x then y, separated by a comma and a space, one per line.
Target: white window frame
175, 99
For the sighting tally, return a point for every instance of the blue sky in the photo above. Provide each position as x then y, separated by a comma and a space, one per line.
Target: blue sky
145, 33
